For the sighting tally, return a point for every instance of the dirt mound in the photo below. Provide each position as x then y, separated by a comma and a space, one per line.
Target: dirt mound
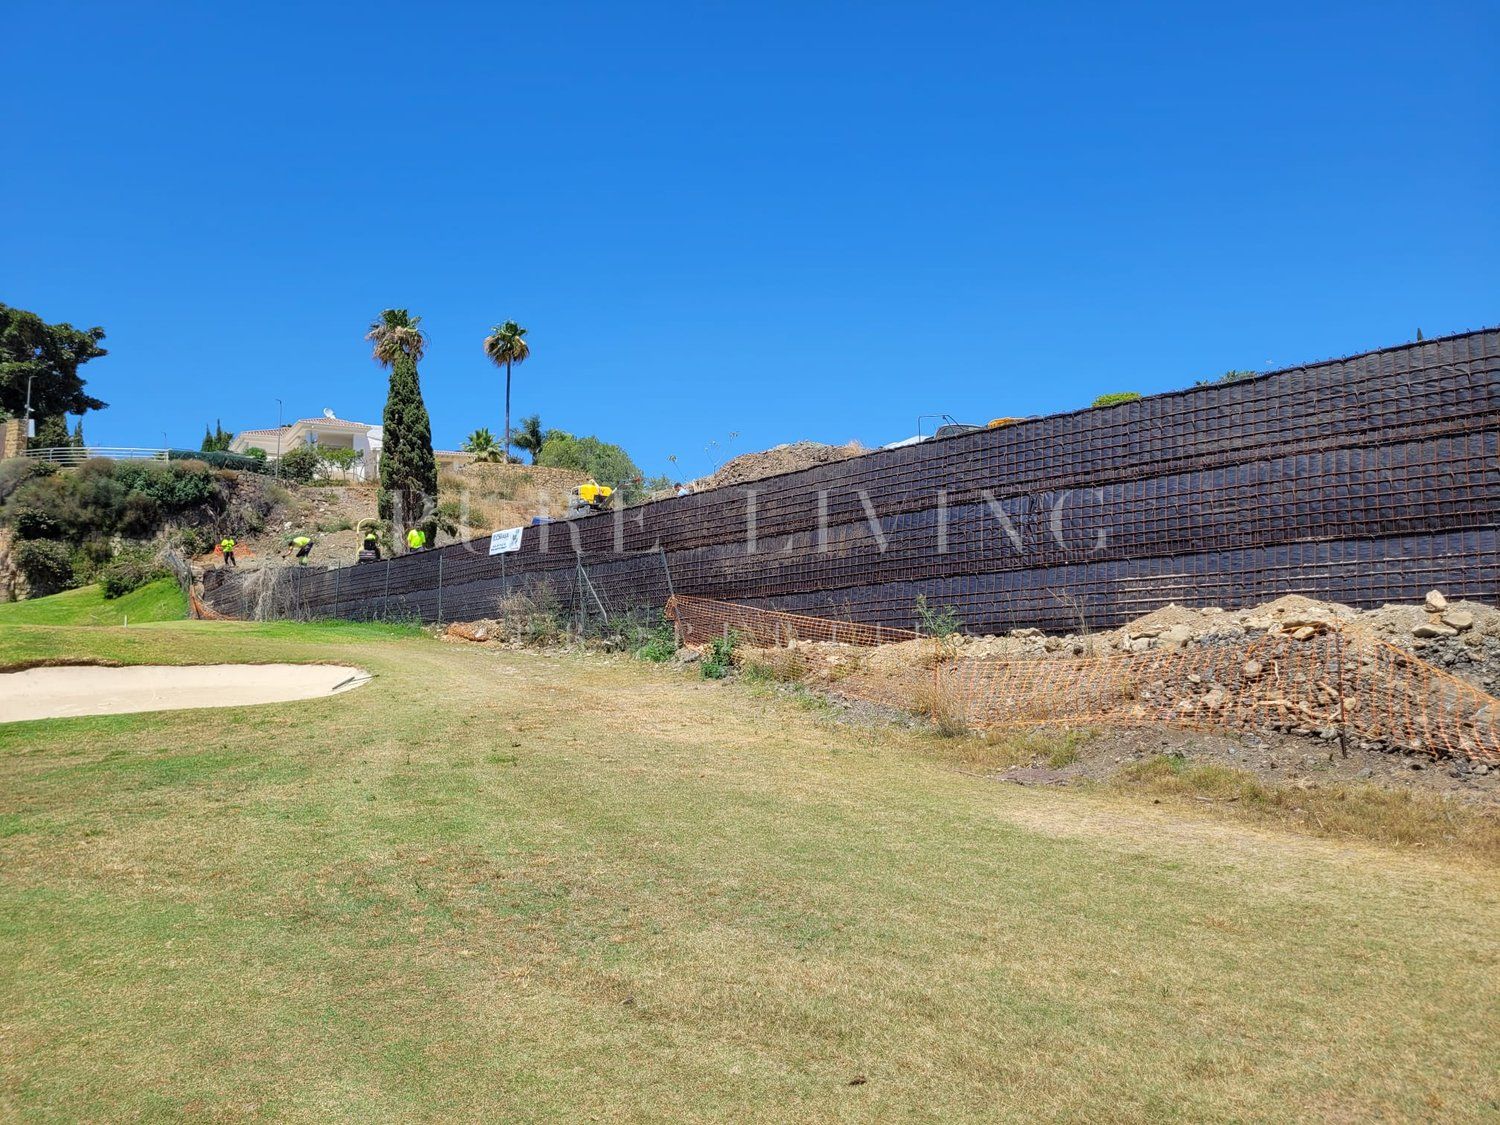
1461, 637
781, 459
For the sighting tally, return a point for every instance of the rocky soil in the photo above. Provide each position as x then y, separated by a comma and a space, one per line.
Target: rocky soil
780, 459
1461, 637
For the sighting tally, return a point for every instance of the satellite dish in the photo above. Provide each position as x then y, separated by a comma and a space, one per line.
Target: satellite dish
327, 413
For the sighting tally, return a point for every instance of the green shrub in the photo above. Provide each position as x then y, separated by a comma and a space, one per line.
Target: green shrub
16, 471
660, 644
718, 656
940, 623
339, 458
300, 464
102, 497
605, 462
33, 523
192, 541
88, 557
130, 570
449, 516
1116, 398
46, 563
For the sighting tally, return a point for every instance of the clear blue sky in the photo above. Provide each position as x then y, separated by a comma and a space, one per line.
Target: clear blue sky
781, 220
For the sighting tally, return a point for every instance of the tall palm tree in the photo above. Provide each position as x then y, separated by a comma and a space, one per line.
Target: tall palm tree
531, 437
396, 333
506, 344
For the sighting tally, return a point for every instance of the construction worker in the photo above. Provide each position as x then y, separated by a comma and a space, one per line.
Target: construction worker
226, 546
302, 545
416, 539
372, 544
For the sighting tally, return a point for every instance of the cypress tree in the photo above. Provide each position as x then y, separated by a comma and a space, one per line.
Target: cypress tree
52, 433
408, 469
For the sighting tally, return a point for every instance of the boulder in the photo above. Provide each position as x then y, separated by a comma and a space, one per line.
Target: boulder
1434, 628
1435, 602
1459, 619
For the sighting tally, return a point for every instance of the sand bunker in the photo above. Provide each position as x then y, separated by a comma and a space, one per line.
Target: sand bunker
56, 693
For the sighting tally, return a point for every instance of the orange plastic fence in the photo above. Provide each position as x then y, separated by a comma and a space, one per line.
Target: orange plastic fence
701, 619
201, 611
1337, 684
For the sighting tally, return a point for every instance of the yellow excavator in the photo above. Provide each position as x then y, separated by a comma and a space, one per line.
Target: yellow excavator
589, 497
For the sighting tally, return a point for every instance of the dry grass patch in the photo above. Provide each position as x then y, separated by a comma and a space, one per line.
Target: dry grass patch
542, 886
1366, 812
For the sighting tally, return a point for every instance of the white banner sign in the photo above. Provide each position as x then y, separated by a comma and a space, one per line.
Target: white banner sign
504, 542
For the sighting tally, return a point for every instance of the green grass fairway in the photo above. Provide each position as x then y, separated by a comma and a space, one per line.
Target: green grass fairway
156, 601
513, 886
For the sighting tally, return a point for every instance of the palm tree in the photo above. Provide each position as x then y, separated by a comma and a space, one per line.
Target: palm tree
397, 333
482, 444
531, 437
506, 344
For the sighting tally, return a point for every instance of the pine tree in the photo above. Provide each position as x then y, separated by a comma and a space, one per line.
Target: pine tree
78, 442
408, 469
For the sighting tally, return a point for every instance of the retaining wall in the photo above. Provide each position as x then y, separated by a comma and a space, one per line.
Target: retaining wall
1362, 480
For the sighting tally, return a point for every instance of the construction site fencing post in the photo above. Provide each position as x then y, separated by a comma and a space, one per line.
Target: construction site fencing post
666, 569
1338, 673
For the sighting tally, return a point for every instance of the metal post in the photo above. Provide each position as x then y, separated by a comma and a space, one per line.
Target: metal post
1338, 657
671, 591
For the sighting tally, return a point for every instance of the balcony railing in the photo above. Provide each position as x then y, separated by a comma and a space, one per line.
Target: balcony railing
74, 455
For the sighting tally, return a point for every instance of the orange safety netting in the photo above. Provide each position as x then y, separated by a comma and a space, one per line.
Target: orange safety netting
701, 619
202, 612
1337, 684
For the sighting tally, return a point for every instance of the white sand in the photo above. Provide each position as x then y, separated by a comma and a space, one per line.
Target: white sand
55, 693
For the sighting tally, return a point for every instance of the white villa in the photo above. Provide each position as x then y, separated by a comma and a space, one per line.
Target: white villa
329, 432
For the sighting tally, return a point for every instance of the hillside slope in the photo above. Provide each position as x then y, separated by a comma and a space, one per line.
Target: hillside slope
478, 498
158, 601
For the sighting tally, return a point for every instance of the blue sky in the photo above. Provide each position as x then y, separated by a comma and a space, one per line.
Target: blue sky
780, 221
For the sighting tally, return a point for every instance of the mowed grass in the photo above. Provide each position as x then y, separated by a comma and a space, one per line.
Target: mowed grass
156, 601
514, 886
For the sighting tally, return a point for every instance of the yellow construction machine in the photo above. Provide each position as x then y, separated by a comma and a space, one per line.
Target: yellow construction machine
589, 497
